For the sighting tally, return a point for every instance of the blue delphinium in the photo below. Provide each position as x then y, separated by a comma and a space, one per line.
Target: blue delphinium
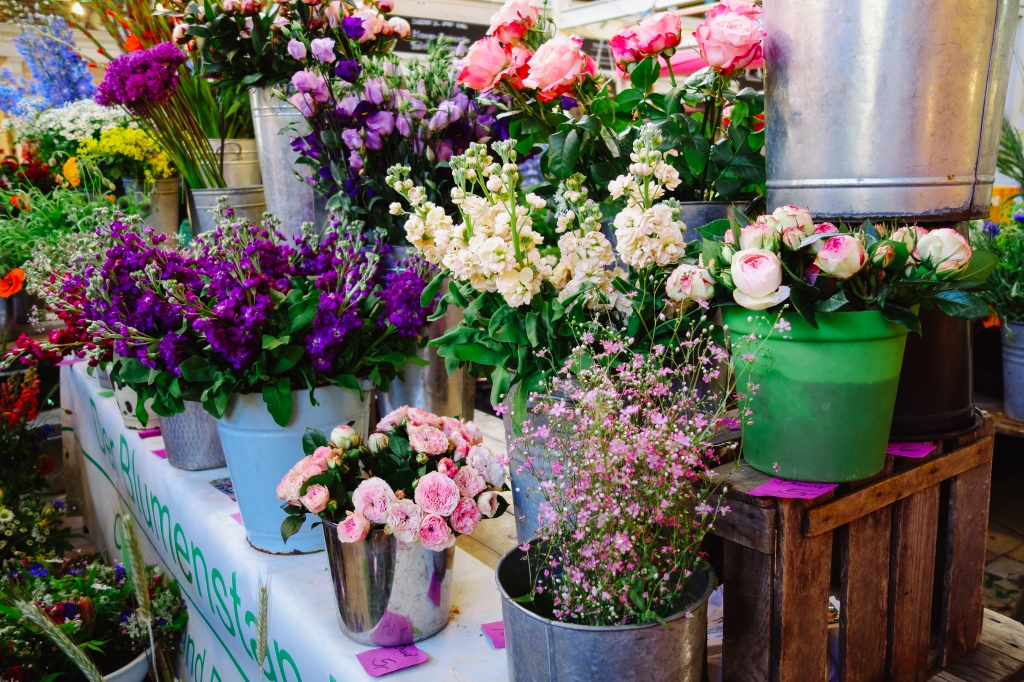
59, 73
16, 97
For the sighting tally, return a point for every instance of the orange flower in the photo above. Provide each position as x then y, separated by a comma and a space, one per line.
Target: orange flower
11, 284
132, 43
70, 171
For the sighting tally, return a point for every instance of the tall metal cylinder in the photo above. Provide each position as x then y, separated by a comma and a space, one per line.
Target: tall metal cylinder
885, 108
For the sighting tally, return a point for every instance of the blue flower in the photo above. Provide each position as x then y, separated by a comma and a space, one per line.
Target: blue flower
119, 573
38, 571
59, 504
75, 571
59, 74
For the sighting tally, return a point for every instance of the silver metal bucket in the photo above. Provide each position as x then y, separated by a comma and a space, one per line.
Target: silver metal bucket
1013, 370
885, 109
192, 440
544, 650
388, 592
699, 213
526, 494
165, 204
276, 122
430, 388
247, 201
241, 165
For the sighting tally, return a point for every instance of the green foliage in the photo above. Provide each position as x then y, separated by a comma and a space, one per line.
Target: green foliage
1005, 291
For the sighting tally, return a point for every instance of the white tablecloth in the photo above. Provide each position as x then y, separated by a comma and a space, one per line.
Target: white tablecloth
191, 531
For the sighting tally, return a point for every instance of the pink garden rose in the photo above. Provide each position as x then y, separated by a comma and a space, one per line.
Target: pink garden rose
385, 5
484, 64
823, 228
746, 9
400, 27
373, 498
728, 41
476, 436
418, 417
304, 103
488, 464
288, 488
510, 23
487, 503
946, 250
405, 517
377, 442
354, 528
659, 33
447, 467
759, 235
373, 24
466, 516
428, 440
316, 498
842, 256
435, 533
884, 253
690, 283
911, 236
322, 456
344, 437
557, 66
757, 276
625, 47
470, 481
393, 419
436, 494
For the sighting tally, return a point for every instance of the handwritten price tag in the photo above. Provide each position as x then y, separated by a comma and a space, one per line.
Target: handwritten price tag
392, 630
161, 453
377, 662
800, 490
496, 633
149, 433
915, 450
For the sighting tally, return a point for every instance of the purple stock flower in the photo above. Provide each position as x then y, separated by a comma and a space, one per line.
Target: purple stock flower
348, 70
140, 77
400, 293
353, 27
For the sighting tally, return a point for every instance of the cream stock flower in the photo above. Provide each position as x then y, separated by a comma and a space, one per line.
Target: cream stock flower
650, 237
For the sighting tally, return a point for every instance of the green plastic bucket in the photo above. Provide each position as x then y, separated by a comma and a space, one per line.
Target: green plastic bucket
825, 397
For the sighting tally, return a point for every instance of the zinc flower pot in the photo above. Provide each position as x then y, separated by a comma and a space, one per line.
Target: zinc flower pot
824, 400
241, 165
544, 650
1013, 370
259, 453
127, 400
526, 494
136, 671
389, 592
699, 213
191, 439
166, 205
247, 202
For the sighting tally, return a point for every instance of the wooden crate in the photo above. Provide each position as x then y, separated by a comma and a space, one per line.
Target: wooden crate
903, 552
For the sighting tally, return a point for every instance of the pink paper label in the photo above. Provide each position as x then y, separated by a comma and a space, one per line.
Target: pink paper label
496, 633
800, 490
149, 433
910, 449
392, 630
162, 454
237, 516
377, 662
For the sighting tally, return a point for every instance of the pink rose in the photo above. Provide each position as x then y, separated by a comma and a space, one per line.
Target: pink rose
792, 238
288, 488
824, 228
385, 5
450, 425
301, 465
321, 456
476, 436
313, 84
484, 461
518, 67
484, 64
304, 103
557, 66
373, 498
436, 494
728, 41
659, 33
393, 419
447, 467
746, 9
759, 235
690, 283
625, 47
314, 469
344, 437
418, 417
757, 276
945, 250
487, 503
883, 256
435, 533
790, 216
842, 256
470, 481
911, 236
354, 528
316, 498
429, 440
466, 516
335, 11
405, 517
231, 6
400, 26
373, 23
510, 23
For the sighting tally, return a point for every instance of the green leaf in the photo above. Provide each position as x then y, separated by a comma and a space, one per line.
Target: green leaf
278, 397
830, 305
460, 300
645, 75
563, 152
348, 381
500, 380
271, 342
198, 369
531, 328
427, 297
474, 352
901, 315
627, 100
399, 446
715, 230
302, 313
962, 304
291, 525
288, 357
251, 78
313, 439
980, 267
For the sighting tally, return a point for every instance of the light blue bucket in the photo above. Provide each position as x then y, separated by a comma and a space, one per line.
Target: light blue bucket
259, 453
1013, 370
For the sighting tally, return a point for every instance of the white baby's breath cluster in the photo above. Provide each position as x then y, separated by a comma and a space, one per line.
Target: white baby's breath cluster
648, 233
76, 121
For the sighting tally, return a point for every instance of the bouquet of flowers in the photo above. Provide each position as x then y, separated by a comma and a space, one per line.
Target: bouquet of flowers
1005, 293
123, 152
422, 477
786, 257
626, 475
57, 133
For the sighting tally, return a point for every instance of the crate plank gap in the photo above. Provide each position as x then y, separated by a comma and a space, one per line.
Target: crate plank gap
904, 552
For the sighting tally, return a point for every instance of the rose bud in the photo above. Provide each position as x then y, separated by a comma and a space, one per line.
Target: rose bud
945, 250
842, 256
377, 441
757, 274
884, 253
824, 228
344, 437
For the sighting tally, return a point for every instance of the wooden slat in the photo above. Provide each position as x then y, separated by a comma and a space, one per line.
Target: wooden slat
864, 595
747, 525
800, 598
741, 480
831, 515
911, 576
1003, 634
985, 665
961, 611
747, 615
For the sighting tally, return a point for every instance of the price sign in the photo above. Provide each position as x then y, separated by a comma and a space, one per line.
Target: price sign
916, 450
496, 633
800, 490
377, 662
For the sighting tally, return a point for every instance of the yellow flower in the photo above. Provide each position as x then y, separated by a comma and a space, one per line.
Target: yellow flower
130, 143
70, 171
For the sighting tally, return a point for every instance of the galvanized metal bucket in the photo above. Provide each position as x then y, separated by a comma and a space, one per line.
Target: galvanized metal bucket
247, 201
191, 439
388, 592
259, 453
544, 650
165, 205
885, 109
699, 213
1013, 370
276, 122
241, 165
430, 387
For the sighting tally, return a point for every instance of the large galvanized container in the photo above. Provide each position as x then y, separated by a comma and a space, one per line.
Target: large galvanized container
885, 109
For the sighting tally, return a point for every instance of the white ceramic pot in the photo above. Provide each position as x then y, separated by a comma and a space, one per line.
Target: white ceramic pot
136, 671
127, 399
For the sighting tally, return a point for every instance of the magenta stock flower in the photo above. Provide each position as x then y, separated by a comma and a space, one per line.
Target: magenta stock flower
138, 78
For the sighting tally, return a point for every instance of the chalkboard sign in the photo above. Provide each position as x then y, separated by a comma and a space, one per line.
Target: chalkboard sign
425, 30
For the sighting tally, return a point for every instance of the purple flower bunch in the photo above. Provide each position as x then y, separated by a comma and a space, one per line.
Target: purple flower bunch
140, 77
401, 290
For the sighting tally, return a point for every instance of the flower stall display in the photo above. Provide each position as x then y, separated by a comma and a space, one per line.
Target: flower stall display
125, 152
834, 304
558, 99
401, 497
629, 492
56, 133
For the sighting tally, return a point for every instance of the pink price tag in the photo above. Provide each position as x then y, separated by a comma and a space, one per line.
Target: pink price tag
915, 450
149, 433
377, 662
800, 490
237, 516
161, 453
496, 633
